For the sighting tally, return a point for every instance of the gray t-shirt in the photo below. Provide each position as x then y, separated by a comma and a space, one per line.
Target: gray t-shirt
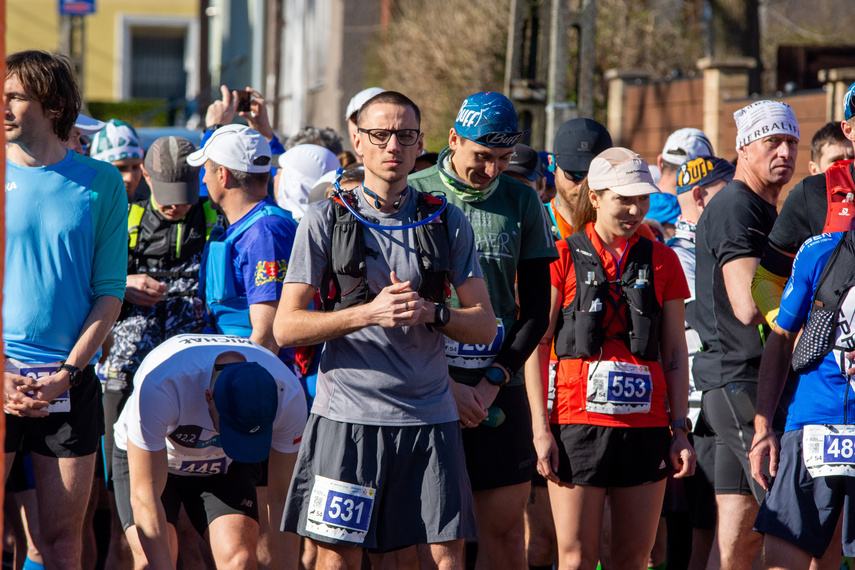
383, 376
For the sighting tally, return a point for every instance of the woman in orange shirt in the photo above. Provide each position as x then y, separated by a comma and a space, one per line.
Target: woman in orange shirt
617, 312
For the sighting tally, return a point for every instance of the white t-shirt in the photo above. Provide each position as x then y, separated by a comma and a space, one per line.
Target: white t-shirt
168, 407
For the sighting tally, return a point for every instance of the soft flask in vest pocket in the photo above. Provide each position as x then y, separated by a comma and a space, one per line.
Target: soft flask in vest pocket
230, 312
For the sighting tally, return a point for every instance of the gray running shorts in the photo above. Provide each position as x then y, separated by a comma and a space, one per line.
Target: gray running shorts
380, 487
803, 510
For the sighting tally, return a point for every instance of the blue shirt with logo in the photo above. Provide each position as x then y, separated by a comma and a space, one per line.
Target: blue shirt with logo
261, 255
823, 394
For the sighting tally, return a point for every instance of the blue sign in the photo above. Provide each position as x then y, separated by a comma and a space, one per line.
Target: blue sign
76, 7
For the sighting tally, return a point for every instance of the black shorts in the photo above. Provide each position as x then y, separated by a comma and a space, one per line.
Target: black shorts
612, 456
204, 498
729, 411
76, 433
700, 488
804, 510
411, 481
502, 456
21, 477
114, 403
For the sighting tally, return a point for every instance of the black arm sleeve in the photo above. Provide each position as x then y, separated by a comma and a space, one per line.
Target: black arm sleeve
533, 285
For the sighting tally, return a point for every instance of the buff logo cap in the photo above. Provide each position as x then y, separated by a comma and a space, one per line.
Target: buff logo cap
489, 118
703, 171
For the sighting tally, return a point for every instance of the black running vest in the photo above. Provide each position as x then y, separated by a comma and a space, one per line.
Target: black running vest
348, 251
580, 331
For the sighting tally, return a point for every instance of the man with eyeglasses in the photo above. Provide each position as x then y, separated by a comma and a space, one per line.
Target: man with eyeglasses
577, 143
514, 243
381, 466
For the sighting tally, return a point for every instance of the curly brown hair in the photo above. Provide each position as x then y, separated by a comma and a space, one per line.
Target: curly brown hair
50, 80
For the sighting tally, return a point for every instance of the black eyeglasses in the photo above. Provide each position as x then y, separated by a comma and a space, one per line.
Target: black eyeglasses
406, 137
575, 176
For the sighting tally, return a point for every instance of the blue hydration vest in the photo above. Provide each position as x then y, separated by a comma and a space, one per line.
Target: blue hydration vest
228, 311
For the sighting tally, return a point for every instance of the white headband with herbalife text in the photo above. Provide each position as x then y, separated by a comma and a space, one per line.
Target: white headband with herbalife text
763, 119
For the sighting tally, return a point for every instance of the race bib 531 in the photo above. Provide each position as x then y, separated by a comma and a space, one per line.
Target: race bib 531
340, 510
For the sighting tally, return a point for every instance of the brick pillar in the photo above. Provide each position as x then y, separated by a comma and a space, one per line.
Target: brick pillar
837, 82
724, 79
618, 80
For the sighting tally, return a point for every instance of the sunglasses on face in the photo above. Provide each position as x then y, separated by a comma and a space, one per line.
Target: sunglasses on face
575, 176
379, 137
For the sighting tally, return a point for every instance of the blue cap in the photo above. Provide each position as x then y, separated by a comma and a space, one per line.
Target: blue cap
849, 102
488, 118
702, 171
247, 399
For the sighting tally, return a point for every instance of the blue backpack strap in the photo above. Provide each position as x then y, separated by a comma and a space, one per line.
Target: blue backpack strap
227, 308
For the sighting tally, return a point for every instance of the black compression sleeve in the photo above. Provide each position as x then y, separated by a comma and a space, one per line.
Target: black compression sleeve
777, 262
533, 286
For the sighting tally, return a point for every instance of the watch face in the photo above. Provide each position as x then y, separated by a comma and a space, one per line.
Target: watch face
444, 314
495, 376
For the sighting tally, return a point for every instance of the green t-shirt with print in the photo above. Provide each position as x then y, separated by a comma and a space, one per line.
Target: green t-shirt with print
510, 226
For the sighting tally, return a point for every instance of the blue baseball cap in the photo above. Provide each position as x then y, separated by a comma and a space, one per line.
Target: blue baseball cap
849, 102
488, 118
247, 399
703, 171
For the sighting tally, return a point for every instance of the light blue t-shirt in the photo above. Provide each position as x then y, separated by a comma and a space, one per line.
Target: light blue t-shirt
66, 245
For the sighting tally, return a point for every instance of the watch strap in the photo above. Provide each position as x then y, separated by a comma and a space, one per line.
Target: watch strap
683, 424
73, 373
441, 316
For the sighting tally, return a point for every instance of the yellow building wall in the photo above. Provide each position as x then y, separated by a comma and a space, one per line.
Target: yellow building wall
35, 24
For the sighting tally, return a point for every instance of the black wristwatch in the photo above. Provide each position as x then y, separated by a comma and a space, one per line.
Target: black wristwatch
684, 425
213, 127
441, 315
74, 378
495, 376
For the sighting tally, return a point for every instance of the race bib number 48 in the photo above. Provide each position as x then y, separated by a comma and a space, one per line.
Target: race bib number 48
340, 510
618, 388
829, 450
